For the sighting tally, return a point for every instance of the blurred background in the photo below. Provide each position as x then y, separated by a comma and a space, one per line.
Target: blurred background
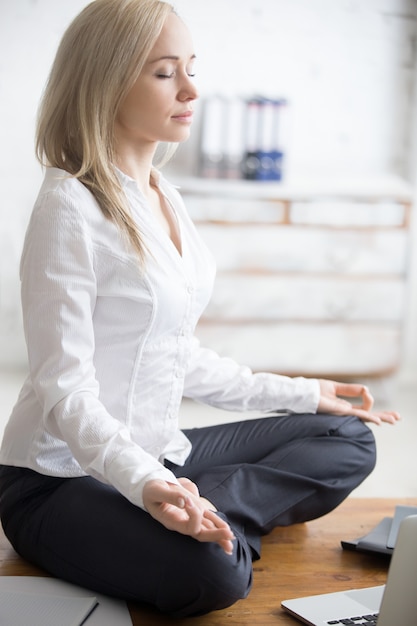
301, 174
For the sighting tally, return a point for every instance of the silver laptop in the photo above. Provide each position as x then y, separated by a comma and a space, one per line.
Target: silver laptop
393, 604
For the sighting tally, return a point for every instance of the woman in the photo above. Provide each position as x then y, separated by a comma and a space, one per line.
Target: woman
98, 485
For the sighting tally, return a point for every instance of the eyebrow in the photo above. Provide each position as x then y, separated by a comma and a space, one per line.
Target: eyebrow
170, 57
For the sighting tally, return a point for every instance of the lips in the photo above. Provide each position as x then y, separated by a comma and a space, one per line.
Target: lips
186, 116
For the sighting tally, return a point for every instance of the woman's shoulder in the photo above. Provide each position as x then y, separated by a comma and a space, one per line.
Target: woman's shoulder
63, 196
64, 204
61, 183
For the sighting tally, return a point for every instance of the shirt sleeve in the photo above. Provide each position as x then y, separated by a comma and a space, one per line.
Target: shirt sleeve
222, 383
59, 290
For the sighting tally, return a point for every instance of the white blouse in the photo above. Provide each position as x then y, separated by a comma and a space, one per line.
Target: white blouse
111, 345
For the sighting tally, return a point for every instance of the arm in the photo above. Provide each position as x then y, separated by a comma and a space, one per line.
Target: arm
223, 383
59, 291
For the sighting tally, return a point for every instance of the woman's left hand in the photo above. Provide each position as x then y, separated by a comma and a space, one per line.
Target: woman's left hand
180, 507
331, 402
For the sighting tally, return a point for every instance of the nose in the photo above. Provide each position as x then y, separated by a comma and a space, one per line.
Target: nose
188, 89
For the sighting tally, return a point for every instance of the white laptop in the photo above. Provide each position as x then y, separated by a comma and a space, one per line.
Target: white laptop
393, 604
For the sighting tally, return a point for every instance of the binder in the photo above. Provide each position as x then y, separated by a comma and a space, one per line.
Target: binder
382, 538
60, 602
243, 138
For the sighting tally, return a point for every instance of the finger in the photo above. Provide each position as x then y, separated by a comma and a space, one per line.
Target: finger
217, 522
337, 406
388, 417
195, 517
366, 416
158, 491
184, 495
206, 526
215, 537
212, 533
169, 493
227, 546
352, 390
189, 485
212, 521
367, 400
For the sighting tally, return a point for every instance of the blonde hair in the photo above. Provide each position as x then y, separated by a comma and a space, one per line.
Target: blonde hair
99, 58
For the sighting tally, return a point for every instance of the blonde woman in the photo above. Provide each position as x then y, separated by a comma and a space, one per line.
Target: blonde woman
98, 485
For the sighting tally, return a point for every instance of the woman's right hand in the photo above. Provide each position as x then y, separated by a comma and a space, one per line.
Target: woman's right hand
181, 508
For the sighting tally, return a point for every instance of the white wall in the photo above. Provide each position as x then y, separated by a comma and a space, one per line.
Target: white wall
346, 66
410, 345
30, 31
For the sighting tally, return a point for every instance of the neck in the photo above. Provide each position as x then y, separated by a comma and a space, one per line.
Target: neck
138, 166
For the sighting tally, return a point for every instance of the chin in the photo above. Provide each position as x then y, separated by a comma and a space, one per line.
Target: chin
178, 137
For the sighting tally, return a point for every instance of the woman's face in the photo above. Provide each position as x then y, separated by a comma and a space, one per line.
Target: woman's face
159, 105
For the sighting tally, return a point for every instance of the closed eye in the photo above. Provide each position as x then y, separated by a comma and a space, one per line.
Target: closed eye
172, 75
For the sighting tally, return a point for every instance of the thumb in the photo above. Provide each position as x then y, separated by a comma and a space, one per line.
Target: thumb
160, 491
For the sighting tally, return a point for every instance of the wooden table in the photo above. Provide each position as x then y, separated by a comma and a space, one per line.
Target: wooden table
300, 560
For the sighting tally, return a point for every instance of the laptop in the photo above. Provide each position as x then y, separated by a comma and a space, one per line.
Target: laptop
393, 604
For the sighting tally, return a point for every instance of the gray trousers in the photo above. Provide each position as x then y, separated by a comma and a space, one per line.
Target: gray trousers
259, 474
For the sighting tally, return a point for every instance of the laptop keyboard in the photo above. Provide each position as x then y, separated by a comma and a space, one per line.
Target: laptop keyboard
368, 620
